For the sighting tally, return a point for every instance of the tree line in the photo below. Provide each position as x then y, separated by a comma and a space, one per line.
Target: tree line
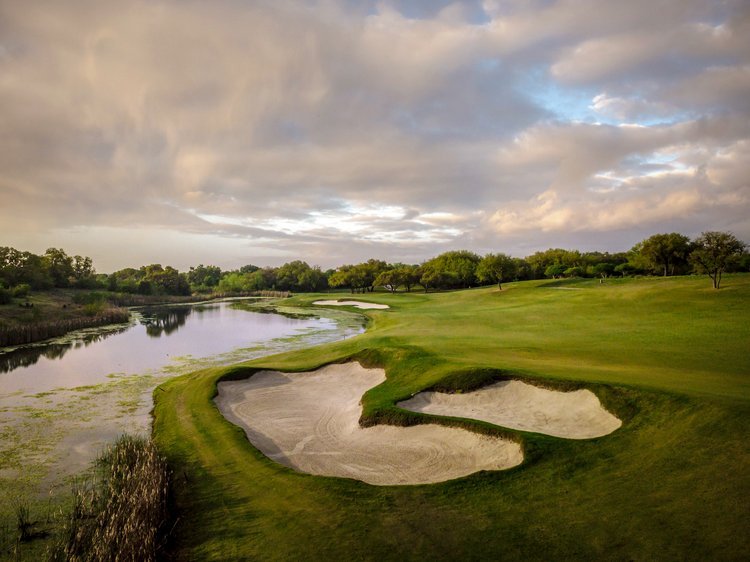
712, 253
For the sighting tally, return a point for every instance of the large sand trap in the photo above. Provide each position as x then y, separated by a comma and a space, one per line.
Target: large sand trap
575, 415
357, 304
310, 422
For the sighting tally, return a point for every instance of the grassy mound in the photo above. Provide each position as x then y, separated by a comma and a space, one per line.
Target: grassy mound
667, 356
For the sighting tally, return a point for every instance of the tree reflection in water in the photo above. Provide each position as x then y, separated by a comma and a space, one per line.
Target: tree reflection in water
27, 356
164, 321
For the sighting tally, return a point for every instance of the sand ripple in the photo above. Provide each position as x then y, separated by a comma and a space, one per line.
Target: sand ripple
515, 404
310, 422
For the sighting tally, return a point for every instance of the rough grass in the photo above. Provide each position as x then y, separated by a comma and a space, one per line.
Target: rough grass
669, 356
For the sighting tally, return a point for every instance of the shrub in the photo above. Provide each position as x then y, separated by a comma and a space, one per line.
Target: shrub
93, 308
91, 297
22, 291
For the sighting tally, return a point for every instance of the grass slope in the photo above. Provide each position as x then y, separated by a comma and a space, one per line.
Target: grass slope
669, 356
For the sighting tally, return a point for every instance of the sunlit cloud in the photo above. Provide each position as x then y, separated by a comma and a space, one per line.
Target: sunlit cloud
336, 131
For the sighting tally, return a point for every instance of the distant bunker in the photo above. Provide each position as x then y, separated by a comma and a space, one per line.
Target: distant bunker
310, 422
357, 304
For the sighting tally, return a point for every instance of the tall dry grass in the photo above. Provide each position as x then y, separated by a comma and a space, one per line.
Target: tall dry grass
122, 512
23, 334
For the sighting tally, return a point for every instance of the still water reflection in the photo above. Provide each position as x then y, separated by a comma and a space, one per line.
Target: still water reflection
158, 337
60, 402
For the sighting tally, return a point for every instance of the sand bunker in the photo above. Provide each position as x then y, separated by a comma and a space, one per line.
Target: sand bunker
357, 304
310, 422
514, 404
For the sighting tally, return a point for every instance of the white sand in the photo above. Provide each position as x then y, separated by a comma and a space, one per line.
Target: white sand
514, 404
357, 304
310, 422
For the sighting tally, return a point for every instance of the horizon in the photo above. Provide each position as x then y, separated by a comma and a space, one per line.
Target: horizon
333, 132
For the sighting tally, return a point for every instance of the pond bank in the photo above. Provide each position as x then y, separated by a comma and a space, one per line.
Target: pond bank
61, 402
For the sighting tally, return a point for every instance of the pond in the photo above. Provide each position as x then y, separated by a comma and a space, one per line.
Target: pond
62, 400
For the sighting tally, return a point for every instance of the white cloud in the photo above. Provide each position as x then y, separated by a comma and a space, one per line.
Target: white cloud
336, 131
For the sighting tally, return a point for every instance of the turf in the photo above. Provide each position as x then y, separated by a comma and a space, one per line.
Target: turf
669, 356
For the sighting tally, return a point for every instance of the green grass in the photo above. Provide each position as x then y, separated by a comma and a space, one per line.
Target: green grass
669, 356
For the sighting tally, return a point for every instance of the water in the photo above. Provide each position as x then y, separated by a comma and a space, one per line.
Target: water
60, 402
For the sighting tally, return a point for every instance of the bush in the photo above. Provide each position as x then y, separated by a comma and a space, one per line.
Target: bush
22, 291
93, 308
89, 298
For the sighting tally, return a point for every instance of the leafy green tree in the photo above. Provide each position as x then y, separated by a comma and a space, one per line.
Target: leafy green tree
496, 268
575, 271
164, 280
23, 267
409, 275
262, 279
342, 277
539, 262
555, 270
84, 274
204, 278
603, 270
358, 278
523, 269
60, 266
249, 268
390, 279
299, 276
450, 270
312, 279
714, 252
234, 282
664, 253
434, 278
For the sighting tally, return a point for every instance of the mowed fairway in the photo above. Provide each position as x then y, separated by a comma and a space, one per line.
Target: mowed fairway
670, 357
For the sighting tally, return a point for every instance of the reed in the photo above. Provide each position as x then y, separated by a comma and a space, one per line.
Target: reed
120, 513
37, 331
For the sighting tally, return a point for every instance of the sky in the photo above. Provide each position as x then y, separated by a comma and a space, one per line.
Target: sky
232, 132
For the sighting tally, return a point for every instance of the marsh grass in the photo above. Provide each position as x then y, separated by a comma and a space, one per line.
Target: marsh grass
120, 512
24, 524
95, 315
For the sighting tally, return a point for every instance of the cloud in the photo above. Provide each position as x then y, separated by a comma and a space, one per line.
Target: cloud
337, 131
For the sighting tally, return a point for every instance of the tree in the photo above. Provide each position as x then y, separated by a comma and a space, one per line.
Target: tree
575, 271
540, 262
60, 266
714, 252
390, 279
665, 252
84, 274
555, 270
204, 277
603, 269
163, 280
409, 276
233, 282
358, 278
496, 268
450, 270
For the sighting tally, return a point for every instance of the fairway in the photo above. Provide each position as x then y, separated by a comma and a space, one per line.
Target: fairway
668, 357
